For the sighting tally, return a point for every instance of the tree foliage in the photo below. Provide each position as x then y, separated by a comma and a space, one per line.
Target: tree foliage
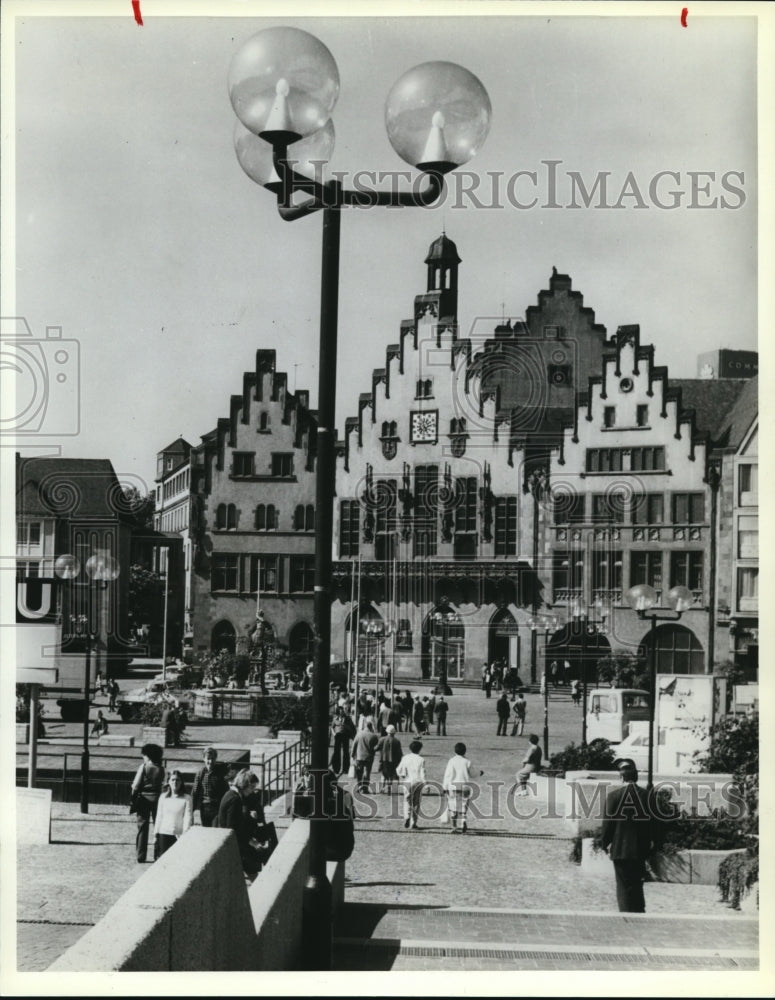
596, 756
144, 595
141, 508
623, 670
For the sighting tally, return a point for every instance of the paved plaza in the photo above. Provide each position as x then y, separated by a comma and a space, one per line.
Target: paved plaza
503, 895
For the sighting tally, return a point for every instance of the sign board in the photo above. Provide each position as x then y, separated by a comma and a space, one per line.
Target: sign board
37, 675
33, 815
684, 716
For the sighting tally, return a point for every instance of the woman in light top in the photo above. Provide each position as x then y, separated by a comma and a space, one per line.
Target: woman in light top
457, 784
173, 815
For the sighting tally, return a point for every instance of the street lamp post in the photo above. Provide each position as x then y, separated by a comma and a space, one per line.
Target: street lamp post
536, 485
283, 85
100, 570
584, 628
548, 626
643, 598
443, 623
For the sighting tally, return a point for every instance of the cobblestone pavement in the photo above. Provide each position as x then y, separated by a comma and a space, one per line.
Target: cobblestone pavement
505, 860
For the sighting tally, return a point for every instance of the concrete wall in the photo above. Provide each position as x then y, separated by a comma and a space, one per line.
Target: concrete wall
192, 911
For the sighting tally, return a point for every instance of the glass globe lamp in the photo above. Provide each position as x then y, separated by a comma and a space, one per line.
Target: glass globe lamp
307, 156
642, 597
680, 599
67, 567
102, 567
283, 84
437, 116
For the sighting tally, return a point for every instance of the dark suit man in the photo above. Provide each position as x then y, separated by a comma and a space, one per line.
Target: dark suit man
504, 711
628, 837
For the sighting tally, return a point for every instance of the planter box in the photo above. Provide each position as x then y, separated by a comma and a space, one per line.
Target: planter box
749, 904
695, 867
155, 734
22, 732
594, 862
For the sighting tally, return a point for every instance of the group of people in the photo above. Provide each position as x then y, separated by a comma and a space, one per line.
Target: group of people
380, 716
504, 712
500, 676
231, 800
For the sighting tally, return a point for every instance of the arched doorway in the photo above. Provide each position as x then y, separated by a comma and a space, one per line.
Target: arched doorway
223, 637
678, 650
372, 640
576, 647
503, 638
301, 640
443, 644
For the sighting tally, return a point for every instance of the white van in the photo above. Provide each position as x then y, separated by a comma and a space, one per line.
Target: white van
611, 710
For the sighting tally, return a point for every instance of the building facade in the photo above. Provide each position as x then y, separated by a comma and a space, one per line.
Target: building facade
252, 525
172, 518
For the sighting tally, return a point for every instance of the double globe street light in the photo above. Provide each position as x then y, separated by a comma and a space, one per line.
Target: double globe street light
283, 85
101, 569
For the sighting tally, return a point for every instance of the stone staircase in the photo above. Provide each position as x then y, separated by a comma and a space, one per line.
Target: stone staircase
381, 937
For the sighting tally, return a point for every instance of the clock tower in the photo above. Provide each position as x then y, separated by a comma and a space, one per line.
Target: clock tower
442, 261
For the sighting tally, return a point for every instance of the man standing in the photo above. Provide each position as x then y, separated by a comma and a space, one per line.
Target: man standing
364, 745
390, 753
489, 677
411, 771
504, 711
520, 714
628, 837
209, 788
441, 716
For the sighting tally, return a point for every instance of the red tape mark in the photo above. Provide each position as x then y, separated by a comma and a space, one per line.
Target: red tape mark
136, 9
684, 15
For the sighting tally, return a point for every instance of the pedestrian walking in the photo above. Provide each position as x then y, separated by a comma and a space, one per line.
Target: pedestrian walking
383, 716
209, 788
428, 715
457, 784
442, 708
233, 814
411, 771
554, 670
364, 746
113, 692
418, 713
173, 815
531, 764
389, 752
504, 711
485, 671
99, 682
628, 837
146, 789
343, 731
520, 714
489, 678
575, 692
395, 716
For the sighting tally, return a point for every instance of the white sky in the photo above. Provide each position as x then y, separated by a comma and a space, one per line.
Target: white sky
138, 233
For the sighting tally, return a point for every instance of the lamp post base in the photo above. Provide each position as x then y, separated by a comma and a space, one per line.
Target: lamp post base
317, 932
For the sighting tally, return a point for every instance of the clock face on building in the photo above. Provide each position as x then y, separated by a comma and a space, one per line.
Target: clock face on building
424, 427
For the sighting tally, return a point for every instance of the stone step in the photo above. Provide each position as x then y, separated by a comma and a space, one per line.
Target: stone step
549, 930
383, 954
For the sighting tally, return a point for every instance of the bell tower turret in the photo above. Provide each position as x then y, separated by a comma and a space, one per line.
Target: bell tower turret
442, 261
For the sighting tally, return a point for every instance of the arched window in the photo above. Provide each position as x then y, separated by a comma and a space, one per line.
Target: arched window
220, 516
261, 518
231, 517
385, 428
223, 637
678, 651
301, 640
298, 518
263, 421
271, 517
309, 518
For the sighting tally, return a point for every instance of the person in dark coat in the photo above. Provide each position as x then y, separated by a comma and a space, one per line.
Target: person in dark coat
146, 789
628, 837
233, 814
418, 714
504, 711
209, 787
442, 708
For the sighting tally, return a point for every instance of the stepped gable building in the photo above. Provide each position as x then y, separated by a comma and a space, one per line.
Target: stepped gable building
433, 524
253, 516
633, 491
